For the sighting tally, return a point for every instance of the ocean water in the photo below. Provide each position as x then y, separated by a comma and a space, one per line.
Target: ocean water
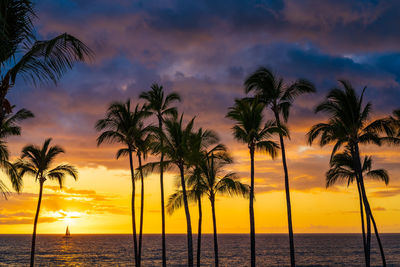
272, 250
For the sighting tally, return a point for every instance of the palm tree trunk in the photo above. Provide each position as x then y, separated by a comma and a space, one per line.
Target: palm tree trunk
370, 216
188, 222
35, 224
379, 240
287, 191
357, 162
251, 210
368, 237
133, 209
141, 210
199, 232
164, 254
362, 220
215, 231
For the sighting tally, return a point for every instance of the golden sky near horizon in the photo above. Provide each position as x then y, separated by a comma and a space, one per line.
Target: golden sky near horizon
99, 202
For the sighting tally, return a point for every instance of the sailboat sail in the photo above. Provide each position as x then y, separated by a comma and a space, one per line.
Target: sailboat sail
67, 233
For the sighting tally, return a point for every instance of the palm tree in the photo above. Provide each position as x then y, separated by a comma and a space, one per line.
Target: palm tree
36, 161
142, 140
197, 145
349, 126
181, 147
342, 168
176, 149
160, 107
120, 126
9, 126
249, 129
200, 141
195, 194
21, 54
279, 97
215, 182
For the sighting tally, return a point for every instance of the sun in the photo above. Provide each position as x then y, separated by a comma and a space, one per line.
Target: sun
68, 221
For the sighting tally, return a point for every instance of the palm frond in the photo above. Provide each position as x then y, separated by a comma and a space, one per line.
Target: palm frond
48, 60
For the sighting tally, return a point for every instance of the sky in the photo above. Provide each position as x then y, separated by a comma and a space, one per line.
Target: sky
204, 50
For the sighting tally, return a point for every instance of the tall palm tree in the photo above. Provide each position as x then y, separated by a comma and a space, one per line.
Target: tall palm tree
349, 126
120, 126
36, 161
142, 140
9, 126
279, 96
342, 168
21, 54
250, 129
160, 106
181, 147
215, 182
176, 149
200, 141
197, 145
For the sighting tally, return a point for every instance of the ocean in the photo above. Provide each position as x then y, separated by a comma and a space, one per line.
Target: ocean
272, 250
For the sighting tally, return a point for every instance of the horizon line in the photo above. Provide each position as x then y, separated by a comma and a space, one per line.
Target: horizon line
80, 233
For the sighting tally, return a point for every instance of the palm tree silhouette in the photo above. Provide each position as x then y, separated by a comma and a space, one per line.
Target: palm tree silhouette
142, 140
279, 97
216, 182
41, 60
349, 126
342, 168
120, 126
194, 194
250, 129
9, 126
181, 146
159, 105
36, 161
202, 180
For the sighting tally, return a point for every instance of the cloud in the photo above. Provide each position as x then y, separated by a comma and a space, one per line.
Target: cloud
60, 205
22, 217
386, 193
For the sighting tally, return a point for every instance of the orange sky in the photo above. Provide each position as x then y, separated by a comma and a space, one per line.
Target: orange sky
99, 202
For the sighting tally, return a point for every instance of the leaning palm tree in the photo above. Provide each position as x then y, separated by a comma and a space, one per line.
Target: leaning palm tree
342, 169
159, 105
250, 129
21, 54
9, 126
36, 161
349, 126
215, 182
119, 126
279, 96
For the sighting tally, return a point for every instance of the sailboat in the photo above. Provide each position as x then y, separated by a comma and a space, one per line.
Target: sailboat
67, 233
